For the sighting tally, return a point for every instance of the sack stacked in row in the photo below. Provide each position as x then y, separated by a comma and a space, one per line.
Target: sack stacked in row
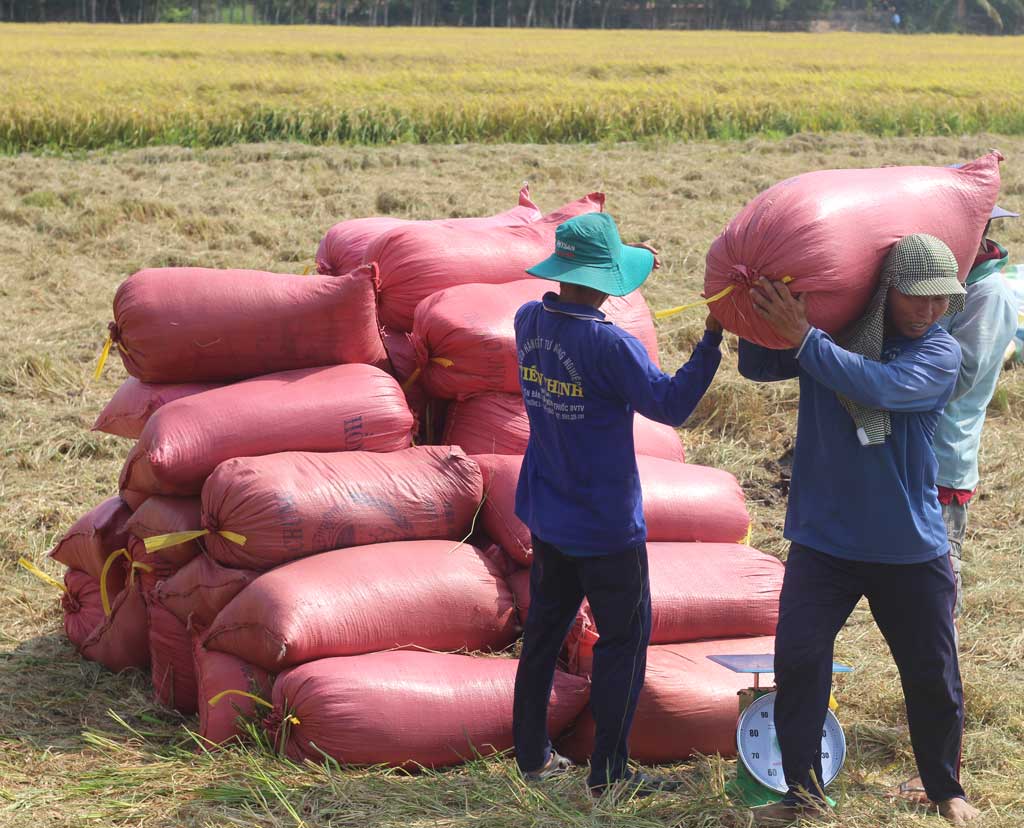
277, 540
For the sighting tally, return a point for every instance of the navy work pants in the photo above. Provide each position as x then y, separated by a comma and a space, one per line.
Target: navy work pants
619, 593
913, 607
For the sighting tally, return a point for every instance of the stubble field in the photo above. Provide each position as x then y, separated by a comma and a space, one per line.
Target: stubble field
79, 746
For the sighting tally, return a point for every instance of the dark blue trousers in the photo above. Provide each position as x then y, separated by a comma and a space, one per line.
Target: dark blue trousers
619, 592
913, 607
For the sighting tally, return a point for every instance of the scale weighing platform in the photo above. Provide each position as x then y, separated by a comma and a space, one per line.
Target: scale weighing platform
759, 777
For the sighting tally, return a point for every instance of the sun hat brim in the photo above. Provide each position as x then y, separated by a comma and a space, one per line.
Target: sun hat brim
630, 269
939, 286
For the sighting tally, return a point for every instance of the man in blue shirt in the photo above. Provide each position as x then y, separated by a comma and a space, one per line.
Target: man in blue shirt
863, 516
582, 380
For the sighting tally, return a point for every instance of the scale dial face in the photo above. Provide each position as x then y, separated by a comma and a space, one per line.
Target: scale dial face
759, 750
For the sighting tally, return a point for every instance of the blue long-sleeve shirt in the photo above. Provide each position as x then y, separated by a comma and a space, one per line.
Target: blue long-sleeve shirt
583, 379
866, 503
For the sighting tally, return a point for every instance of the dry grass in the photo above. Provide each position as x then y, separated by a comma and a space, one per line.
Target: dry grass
76, 87
79, 746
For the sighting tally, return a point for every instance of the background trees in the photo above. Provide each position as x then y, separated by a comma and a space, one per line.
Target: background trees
978, 16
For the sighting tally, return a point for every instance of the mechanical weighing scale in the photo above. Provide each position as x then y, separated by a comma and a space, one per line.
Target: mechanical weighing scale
759, 777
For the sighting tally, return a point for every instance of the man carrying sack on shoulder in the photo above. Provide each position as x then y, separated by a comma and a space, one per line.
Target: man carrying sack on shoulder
864, 517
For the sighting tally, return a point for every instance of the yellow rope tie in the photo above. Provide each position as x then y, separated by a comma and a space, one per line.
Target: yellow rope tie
667, 312
137, 565
213, 701
444, 362
415, 375
750, 534
160, 542
35, 570
103, 357
104, 597
307, 270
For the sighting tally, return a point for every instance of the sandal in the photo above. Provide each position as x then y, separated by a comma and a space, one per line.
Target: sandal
555, 766
913, 791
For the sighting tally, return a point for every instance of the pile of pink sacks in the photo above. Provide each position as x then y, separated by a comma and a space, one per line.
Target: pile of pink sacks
301, 541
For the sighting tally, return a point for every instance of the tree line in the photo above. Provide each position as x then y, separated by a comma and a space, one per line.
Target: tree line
977, 16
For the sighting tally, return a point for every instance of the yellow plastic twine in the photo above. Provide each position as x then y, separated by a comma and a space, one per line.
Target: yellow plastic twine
105, 353
35, 570
667, 312
138, 565
750, 533
444, 362
159, 542
104, 597
213, 701
103, 356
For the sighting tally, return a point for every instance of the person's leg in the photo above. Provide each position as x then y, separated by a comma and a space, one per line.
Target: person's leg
954, 515
913, 607
555, 598
819, 592
619, 592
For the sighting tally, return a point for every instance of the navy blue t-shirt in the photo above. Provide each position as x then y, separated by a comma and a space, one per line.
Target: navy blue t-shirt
582, 379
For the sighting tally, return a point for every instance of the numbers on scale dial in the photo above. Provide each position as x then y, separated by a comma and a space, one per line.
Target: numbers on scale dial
760, 751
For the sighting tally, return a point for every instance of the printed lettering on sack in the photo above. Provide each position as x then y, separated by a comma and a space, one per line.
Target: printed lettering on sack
340, 526
551, 394
354, 433
291, 524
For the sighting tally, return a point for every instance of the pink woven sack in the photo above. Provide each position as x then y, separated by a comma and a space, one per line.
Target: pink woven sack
497, 424
160, 516
226, 685
418, 260
682, 502
829, 232
135, 401
83, 609
687, 705
193, 324
201, 589
406, 709
121, 641
465, 336
343, 246
291, 505
434, 594
698, 590
172, 666
340, 408
93, 537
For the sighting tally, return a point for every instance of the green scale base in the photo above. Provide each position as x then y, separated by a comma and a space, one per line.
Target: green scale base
744, 789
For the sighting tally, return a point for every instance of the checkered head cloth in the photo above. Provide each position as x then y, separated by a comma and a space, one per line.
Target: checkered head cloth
917, 265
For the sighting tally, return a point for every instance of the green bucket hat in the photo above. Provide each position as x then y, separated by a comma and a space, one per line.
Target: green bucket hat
589, 252
917, 265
